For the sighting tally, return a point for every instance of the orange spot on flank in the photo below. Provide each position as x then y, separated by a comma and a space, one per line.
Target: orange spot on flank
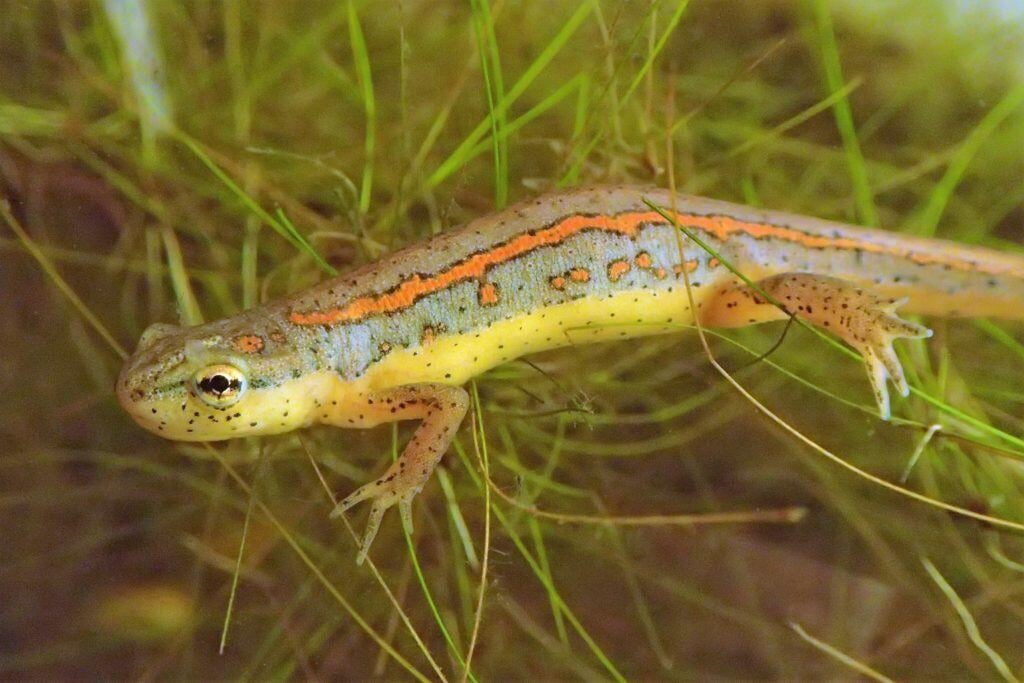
714, 262
249, 343
616, 269
643, 260
691, 266
579, 275
488, 294
558, 282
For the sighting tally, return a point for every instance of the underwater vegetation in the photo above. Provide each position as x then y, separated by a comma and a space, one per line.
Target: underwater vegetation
614, 511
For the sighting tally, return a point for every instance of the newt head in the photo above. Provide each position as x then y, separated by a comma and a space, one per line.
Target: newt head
219, 381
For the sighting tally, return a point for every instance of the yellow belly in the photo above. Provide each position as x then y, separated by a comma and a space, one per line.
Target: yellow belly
454, 359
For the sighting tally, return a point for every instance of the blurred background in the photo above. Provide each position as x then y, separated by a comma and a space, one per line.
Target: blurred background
181, 161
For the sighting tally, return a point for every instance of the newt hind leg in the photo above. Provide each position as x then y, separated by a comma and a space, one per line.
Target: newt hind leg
440, 409
863, 320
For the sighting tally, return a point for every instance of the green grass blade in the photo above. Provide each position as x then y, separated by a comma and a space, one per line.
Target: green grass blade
142, 57
572, 175
970, 626
453, 647
304, 44
866, 210
233, 591
285, 229
840, 656
806, 115
365, 78
315, 569
930, 216
188, 307
58, 281
538, 571
16, 119
459, 156
490, 66
1001, 336
653, 54
534, 112
574, 621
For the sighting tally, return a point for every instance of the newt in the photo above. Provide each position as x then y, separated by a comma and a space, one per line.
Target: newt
397, 339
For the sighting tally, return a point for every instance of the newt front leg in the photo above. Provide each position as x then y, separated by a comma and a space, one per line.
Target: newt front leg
863, 320
440, 408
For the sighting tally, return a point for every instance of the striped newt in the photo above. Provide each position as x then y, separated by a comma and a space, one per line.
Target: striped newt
397, 339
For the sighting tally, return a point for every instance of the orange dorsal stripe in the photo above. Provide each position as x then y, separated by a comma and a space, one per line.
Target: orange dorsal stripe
474, 267
406, 293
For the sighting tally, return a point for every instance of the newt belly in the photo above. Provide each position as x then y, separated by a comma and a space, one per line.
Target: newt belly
396, 339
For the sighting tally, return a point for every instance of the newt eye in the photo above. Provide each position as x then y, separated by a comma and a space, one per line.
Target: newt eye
219, 385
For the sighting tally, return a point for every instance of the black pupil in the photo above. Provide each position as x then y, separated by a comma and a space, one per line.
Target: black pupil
217, 384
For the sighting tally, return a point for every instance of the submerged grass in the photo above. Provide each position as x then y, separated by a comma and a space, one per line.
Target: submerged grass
550, 545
